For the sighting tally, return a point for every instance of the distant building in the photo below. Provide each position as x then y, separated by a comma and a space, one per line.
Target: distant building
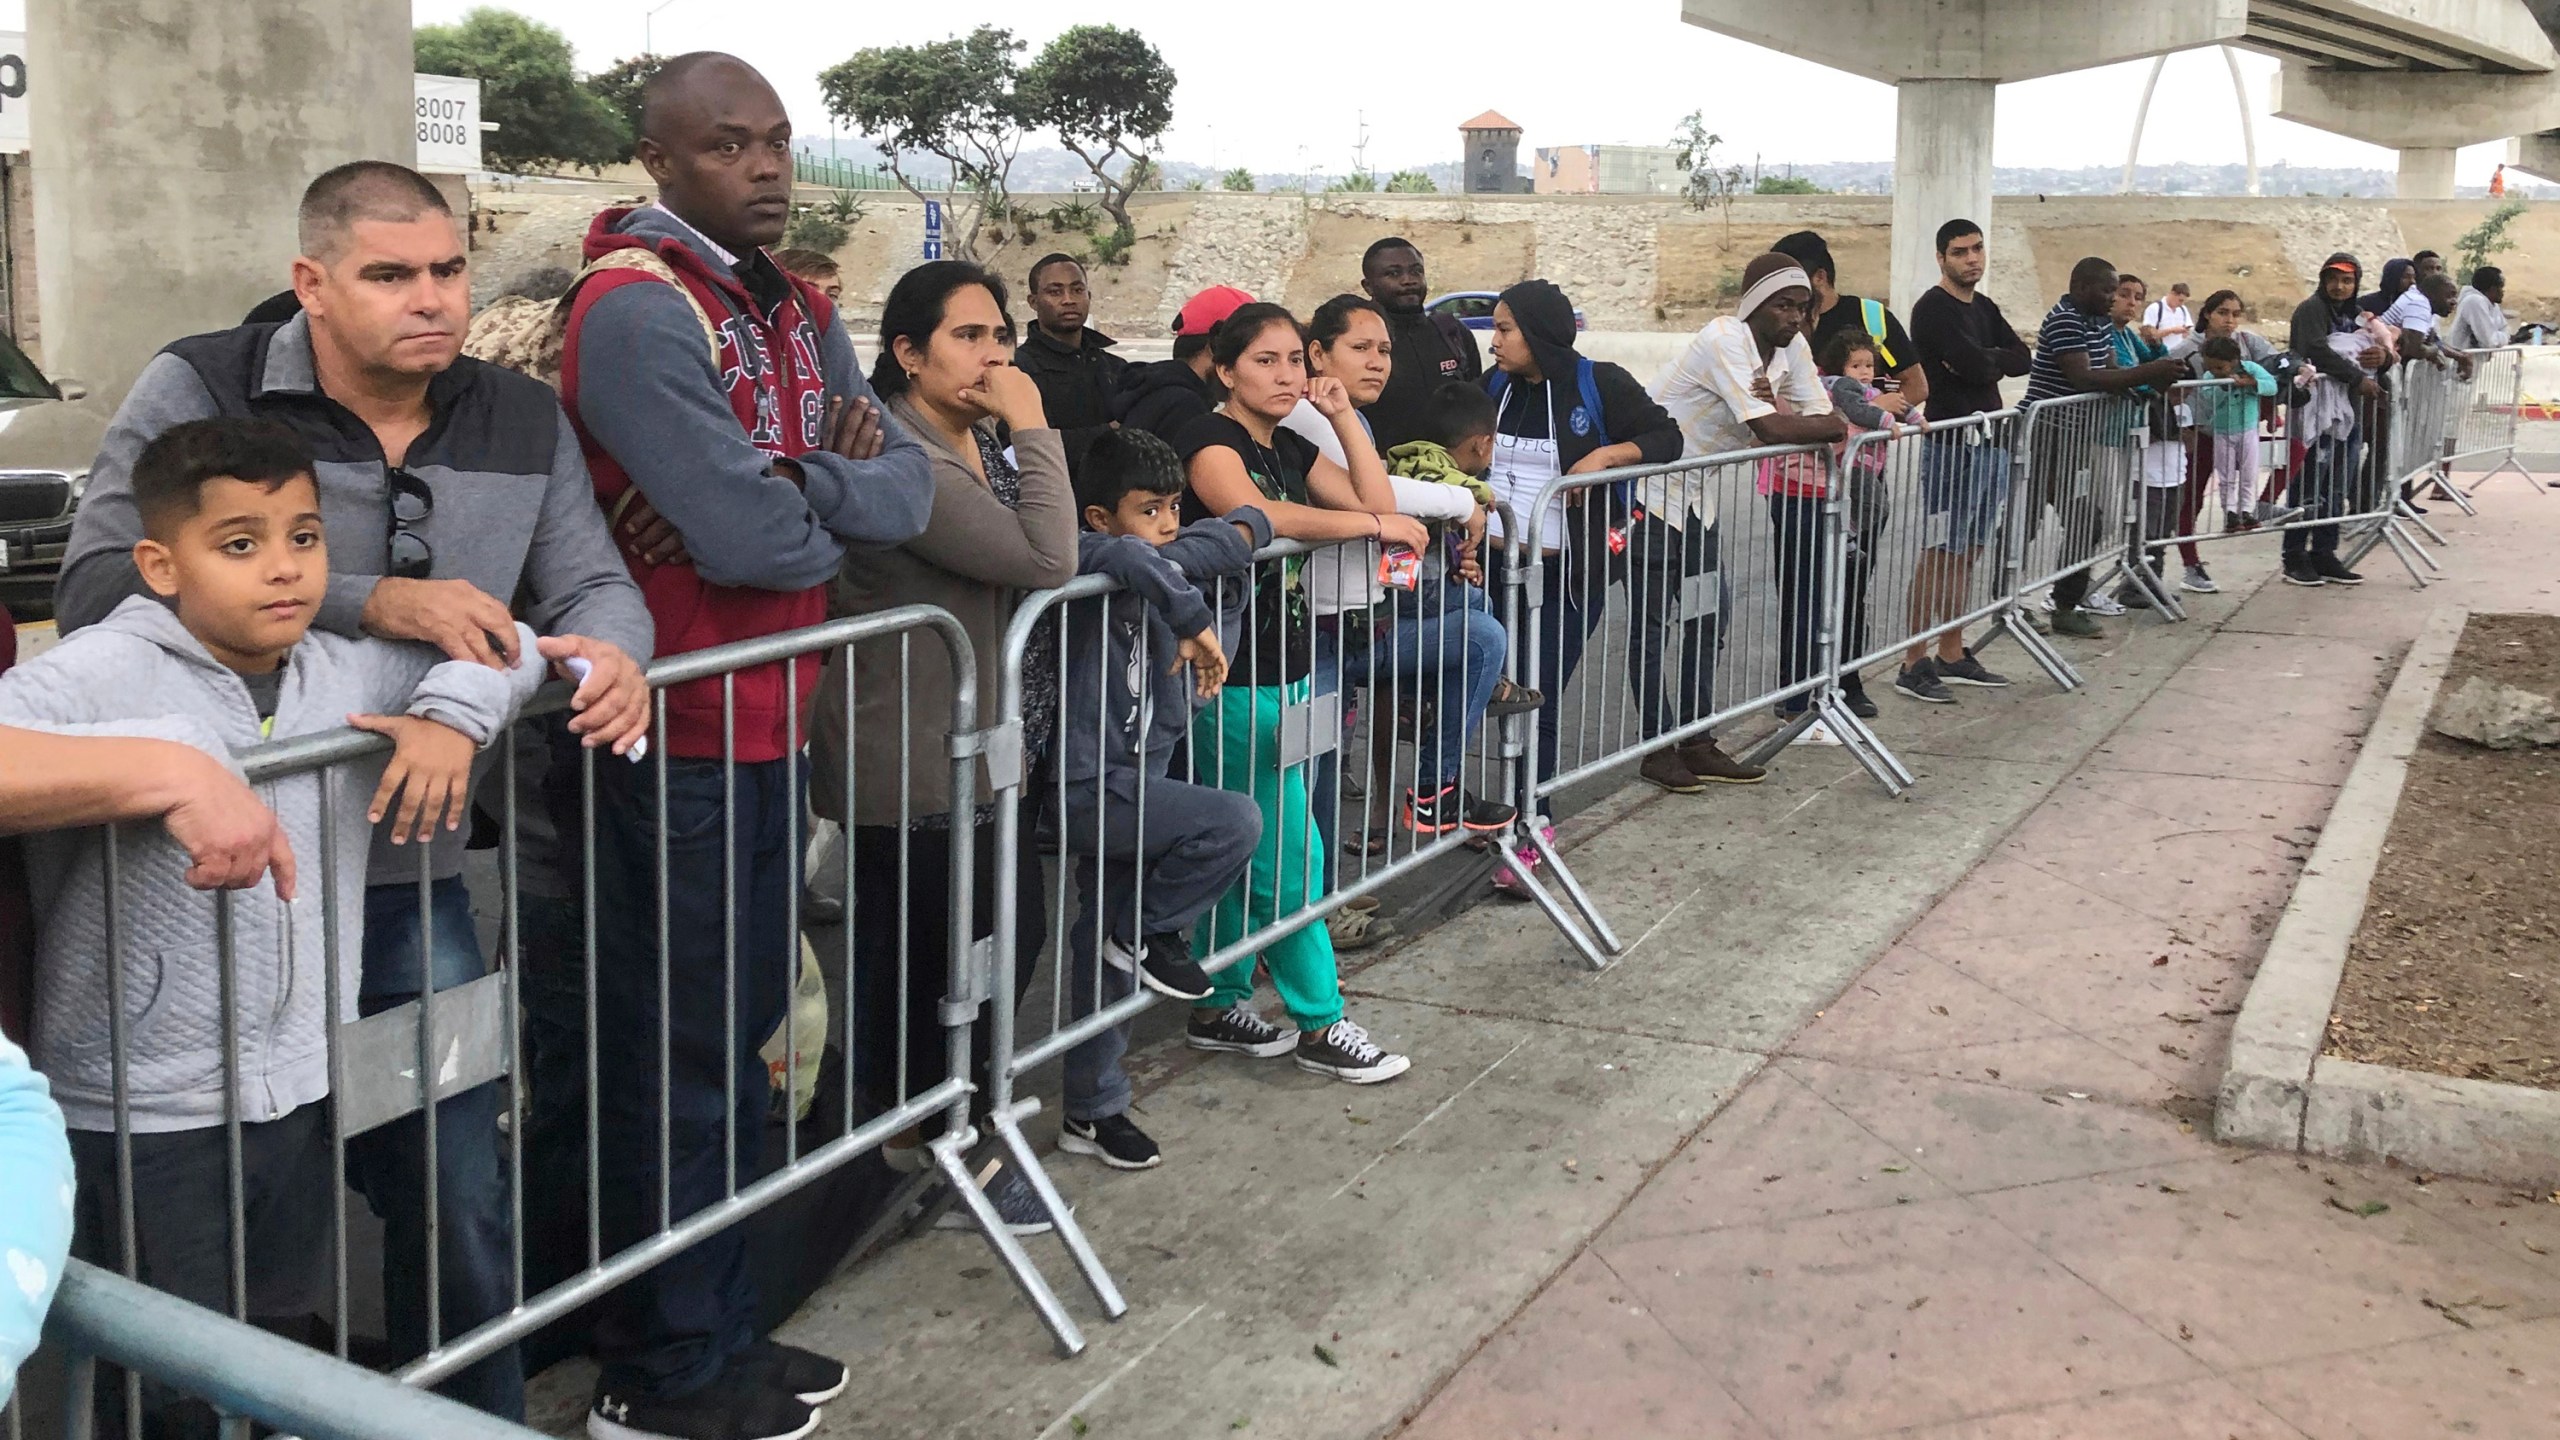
1492, 156
1608, 170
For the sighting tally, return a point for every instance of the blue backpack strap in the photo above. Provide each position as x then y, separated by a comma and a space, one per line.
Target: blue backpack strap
1587, 379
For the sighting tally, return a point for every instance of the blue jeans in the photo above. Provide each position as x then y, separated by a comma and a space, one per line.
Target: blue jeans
668, 1333
1445, 632
388, 1165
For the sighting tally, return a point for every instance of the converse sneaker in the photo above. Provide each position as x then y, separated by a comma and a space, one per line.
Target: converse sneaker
2333, 570
1969, 671
2198, 582
1115, 1140
737, 1405
1238, 1032
1017, 1206
807, 1376
1344, 1051
1919, 681
1166, 968
1707, 760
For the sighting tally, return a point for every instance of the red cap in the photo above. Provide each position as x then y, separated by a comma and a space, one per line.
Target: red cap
1202, 312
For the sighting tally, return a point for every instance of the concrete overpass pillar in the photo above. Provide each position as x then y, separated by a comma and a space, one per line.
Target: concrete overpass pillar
2426, 173
1941, 169
171, 140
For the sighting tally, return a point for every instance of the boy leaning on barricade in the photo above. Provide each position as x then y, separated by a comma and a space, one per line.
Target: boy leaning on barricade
233, 542
1151, 854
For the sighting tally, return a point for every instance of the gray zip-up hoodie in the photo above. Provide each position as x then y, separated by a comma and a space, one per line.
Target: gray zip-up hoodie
135, 672
1141, 628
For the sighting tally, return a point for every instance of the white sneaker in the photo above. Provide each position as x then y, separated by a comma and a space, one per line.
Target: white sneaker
2041, 600
1816, 733
2099, 602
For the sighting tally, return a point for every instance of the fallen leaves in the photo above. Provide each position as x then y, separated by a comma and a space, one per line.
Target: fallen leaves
1326, 1356
2367, 1210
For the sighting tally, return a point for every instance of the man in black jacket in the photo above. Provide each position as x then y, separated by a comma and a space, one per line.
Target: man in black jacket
2329, 460
1069, 360
1429, 350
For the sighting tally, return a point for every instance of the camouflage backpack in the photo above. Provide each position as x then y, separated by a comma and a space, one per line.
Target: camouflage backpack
528, 335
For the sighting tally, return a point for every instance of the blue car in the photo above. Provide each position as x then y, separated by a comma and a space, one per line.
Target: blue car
1474, 308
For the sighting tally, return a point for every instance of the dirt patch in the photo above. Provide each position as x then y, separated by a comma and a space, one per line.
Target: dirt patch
2209, 255
2456, 967
1700, 262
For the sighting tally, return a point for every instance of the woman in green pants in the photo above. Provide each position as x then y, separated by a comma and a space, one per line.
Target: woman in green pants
1239, 455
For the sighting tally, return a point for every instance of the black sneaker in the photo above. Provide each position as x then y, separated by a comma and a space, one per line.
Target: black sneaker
2333, 570
1239, 1032
1344, 1051
809, 1377
736, 1406
1167, 969
1968, 671
2298, 571
1854, 695
1920, 682
1453, 809
2133, 597
1115, 1140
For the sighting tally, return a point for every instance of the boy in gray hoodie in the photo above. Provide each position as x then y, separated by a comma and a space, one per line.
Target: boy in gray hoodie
1171, 848
233, 545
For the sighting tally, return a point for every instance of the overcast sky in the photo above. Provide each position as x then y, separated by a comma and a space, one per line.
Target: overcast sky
1286, 87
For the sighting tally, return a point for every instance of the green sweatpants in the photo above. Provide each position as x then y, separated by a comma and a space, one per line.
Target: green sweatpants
1235, 745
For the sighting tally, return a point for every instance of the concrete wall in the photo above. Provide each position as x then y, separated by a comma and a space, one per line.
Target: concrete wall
171, 145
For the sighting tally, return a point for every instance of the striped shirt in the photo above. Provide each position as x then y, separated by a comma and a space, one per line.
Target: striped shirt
2067, 327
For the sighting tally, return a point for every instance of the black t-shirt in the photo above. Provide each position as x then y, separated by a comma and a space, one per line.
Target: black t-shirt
1849, 313
1423, 359
1278, 646
1966, 347
265, 690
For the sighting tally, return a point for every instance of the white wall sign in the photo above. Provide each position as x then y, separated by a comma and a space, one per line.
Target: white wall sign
448, 124
13, 91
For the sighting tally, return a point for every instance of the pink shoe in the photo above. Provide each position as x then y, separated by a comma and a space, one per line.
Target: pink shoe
1507, 881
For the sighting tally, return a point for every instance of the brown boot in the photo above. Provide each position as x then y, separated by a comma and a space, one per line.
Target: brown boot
1707, 760
1663, 768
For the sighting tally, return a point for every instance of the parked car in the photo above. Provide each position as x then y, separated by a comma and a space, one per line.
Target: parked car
1474, 308
46, 445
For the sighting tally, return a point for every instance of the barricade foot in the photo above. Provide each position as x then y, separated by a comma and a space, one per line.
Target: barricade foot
2440, 486
2407, 514
951, 1161
1871, 753
2013, 623
1779, 739
2408, 552
1106, 1291
2502, 467
1593, 942
2155, 587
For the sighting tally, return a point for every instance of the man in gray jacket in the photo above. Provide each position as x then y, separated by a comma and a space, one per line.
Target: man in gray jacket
452, 488
235, 542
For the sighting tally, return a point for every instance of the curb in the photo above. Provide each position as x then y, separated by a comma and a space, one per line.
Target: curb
2279, 1092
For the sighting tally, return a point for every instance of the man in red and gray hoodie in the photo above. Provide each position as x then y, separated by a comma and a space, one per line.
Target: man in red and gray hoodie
735, 471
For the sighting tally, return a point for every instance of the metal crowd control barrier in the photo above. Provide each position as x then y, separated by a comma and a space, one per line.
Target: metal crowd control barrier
2485, 425
1928, 510
606, 933
1427, 660
241, 1371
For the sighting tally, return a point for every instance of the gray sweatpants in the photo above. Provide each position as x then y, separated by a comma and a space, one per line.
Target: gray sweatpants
1195, 842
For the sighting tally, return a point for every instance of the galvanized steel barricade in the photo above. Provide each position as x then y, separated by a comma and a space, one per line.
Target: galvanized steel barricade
241, 1371
1180, 857
2071, 508
592, 991
1659, 602
2485, 425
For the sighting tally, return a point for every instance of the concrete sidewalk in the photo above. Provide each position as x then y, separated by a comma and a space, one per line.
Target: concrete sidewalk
1971, 1199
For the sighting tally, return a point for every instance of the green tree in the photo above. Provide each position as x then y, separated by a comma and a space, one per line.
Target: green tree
619, 85
545, 118
1787, 185
2485, 239
1709, 184
954, 100
1358, 182
1239, 180
1108, 94
815, 229
1411, 182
